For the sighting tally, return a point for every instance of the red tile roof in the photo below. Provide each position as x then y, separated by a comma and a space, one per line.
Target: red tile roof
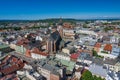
75, 55
108, 47
67, 25
16, 64
98, 45
22, 42
14, 59
37, 51
12, 68
28, 53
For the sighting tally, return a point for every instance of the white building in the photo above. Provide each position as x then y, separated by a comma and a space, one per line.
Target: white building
39, 38
114, 39
67, 50
86, 32
63, 56
38, 56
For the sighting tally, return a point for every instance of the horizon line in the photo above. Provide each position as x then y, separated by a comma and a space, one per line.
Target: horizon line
92, 18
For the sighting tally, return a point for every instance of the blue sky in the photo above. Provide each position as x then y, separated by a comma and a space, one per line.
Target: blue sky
41, 9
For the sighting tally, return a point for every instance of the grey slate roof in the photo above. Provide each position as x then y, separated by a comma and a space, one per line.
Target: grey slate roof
98, 61
98, 70
51, 68
111, 61
55, 36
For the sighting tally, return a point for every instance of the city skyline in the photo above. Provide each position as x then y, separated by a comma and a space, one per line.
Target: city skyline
78, 9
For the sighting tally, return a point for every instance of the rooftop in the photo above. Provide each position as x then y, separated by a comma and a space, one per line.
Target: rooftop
98, 70
69, 64
75, 55
114, 75
49, 65
61, 53
98, 45
108, 47
3, 46
115, 51
37, 51
10, 64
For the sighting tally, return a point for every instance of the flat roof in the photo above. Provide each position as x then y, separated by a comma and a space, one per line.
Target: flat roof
3, 45
98, 70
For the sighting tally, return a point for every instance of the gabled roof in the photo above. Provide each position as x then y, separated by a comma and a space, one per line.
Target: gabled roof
75, 55
108, 47
111, 61
22, 42
15, 64
37, 51
98, 45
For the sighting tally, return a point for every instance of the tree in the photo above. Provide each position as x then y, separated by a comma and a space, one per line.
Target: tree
17, 28
87, 75
4, 36
97, 78
94, 53
85, 26
106, 29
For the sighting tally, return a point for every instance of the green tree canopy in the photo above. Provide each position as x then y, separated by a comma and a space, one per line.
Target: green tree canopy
87, 75
94, 53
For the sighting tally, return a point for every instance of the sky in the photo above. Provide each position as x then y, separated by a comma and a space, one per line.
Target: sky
42, 9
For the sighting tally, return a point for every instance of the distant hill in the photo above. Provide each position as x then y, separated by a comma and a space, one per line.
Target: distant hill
54, 20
